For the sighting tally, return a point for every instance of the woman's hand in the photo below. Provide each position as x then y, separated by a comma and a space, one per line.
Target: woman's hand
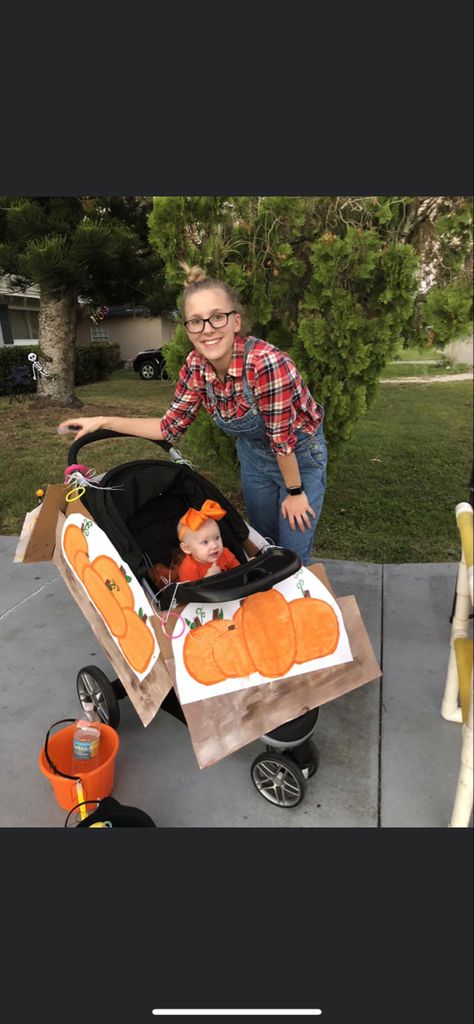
296, 509
84, 425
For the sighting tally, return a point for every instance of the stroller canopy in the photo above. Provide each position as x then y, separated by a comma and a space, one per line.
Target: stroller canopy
140, 518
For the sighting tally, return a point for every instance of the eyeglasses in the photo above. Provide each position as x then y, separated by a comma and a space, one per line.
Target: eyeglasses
196, 324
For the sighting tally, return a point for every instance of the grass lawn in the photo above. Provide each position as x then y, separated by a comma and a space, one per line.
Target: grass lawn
391, 492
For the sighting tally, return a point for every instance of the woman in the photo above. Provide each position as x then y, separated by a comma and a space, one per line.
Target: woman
255, 394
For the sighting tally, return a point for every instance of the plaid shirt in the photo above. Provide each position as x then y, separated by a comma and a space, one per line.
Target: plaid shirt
279, 390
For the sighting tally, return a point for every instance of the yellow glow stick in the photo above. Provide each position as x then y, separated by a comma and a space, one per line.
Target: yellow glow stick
81, 799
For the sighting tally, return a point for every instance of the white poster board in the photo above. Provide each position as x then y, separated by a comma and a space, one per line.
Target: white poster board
316, 620
113, 590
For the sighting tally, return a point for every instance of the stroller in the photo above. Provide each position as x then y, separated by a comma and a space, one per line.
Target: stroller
139, 514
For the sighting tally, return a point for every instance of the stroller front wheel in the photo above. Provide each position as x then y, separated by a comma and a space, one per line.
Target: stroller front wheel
278, 779
93, 685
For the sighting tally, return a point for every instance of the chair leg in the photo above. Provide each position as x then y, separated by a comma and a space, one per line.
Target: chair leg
450, 709
462, 808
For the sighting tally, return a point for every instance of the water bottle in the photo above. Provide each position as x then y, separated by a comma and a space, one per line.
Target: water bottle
86, 740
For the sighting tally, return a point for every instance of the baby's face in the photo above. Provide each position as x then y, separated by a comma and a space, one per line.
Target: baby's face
204, 544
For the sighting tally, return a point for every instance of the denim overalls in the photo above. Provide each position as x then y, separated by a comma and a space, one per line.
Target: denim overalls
262, 483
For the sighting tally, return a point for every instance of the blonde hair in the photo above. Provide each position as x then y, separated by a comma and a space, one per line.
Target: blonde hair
197, 280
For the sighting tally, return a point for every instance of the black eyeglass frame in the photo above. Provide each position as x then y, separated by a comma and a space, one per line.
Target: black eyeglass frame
208, 320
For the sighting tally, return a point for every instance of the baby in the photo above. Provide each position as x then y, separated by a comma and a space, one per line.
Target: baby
200, 539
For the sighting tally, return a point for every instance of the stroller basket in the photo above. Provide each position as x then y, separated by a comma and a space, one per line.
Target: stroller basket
140, 515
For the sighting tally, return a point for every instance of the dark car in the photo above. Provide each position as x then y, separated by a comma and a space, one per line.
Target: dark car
151, 365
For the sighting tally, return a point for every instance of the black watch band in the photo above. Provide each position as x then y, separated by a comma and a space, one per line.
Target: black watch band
295, 490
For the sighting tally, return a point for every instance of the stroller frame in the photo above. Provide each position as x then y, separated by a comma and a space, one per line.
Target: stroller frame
279, 774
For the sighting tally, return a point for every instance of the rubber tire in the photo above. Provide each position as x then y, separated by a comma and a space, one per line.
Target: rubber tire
314, 760
151, 366
104, 686
290, 766
119, 690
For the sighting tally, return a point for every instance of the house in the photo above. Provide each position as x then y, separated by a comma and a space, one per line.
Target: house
130, 327
19, 312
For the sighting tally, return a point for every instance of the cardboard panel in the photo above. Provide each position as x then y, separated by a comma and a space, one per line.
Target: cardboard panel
221, 725
38, 535
147, 694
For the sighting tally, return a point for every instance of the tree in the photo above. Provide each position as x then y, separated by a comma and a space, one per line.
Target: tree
341, 282
325, 278
92, 247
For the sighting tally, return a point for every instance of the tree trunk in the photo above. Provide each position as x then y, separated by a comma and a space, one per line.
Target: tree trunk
57, 342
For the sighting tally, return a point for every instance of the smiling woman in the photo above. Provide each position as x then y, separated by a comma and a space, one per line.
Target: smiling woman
256, 395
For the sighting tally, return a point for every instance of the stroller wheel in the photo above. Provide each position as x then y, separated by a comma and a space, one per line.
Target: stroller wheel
311, 764
93, 685
278, 779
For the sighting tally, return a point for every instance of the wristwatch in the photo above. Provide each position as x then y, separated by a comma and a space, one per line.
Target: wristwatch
294, 490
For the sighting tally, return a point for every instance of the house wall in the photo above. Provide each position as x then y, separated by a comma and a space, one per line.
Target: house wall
461, 351
18, 314
132, 333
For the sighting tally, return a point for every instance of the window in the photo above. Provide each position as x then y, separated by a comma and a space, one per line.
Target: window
99, 332
24, 324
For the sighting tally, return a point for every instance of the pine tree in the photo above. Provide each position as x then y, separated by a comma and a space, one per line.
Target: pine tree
94, 248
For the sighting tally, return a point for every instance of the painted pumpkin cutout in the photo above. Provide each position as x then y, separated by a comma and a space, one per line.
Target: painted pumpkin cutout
198, 654
114, 580
269, 634
316, 628
81, 559
231, 655
138, 644
104, 601
237, 617
74, 541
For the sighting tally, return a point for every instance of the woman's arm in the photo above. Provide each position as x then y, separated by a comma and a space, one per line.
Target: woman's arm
181, 413
149, 427
289, 469
296, 508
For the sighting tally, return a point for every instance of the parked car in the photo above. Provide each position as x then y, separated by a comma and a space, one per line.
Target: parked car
151, 365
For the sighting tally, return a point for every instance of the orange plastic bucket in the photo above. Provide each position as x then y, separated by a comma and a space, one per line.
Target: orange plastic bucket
96, 783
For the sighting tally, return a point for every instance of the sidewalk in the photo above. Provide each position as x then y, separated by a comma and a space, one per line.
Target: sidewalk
386, 756
444, 378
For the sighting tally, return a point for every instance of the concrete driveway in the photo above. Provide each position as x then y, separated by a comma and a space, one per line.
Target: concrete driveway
387, 758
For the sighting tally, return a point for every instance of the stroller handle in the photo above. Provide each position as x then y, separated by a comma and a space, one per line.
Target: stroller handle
102, 435
260, 573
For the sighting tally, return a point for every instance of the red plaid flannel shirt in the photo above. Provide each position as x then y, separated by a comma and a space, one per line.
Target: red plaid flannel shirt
281, 395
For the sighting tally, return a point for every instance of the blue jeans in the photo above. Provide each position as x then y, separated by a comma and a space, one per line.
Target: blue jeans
264, 490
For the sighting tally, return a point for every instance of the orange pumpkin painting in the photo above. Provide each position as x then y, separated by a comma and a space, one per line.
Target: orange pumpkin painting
105, 602
316, 628
138, 644
81, 559
74, 541
231, 655
198, 654
237, 617
269, 634
114, 579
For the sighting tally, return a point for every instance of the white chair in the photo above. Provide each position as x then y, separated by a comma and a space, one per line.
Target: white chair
458, 694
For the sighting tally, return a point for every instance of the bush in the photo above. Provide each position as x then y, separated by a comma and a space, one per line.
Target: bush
95, 362
15, 355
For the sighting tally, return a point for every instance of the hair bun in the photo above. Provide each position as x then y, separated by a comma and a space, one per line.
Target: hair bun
193, 274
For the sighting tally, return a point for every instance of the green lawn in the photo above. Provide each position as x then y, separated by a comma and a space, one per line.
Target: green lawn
391, 492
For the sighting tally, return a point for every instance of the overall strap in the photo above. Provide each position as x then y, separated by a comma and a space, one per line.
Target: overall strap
249, 395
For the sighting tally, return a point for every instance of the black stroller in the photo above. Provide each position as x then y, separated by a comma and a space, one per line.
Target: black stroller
139, 518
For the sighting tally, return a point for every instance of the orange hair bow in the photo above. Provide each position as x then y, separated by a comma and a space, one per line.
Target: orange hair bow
194, 519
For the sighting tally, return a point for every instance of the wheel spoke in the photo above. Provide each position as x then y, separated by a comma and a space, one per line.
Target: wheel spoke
277, 783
